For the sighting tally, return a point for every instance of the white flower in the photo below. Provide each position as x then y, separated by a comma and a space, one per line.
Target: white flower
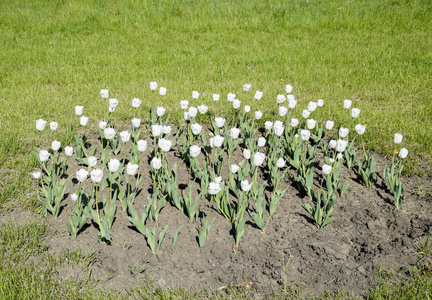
280, 98
193, 111
331, 159
231, 97
166, 129
245, 185
216, 97
214, 188
236, 103
343, 132
219, 122
124, 136
278, 128
341, 145
218, 179
282, 111
55, 145
186, 116
246, 153
305, 134
310, 124
340, 155
104, 93
234, 168
320, 102
136, 122
268, 125
184, 104
329, 125
234, 133
196, 128
102, 125
79, 110
160, 111
111, 109
246, 87
165, 145
81, 175
92, 161
156, 163
74, 197
109, 133
326, 169
398, 138
403, 153
84, 120
261, 141
258, 114
281, 163
291, 103
96, 175
40, 124
36, 174
195, 94
347, 103
68, 151
113, 165
258, 159
247, 108
360, 129
216, 141
258, 95
355, 112
153, 86
141, 145
202, 109
312, 106
332, 144
53, 125
305, 114
194, 150
162, 91
113, 103
131, 169
136, 102
157, 130
288, 88
294, 122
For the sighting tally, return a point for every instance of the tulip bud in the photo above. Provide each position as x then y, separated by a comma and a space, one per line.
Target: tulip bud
231, 97
36, 174
104, 93
258, 114
196, 128
246, 87
288, 88
141, 145
194, 151
312, 106
268, 125
236, 103
216, 97
281, 163
202, 109
247, 108
124, 136
398, 138
234, 133
280, 98
305, 114
109, 133
305, 134
258, 159
347, 104
43, 155
320, 102
193, 111
282, 111
246, 153
355, 112
84, 120
258, 95
153, 85
79, 110
68, 151
326, 169
294, 122
96, 175
92, 161
40, 124
113, 165
343, 132
245, 185
136, 122
329, 125
55, 145
403, 153
214, 188
53, 125
131, 169
136, 102
261, 142
195, 94
162, 91
310, 124
184, 104
156, 163
219, 122
102, 125
234, 168
160, 111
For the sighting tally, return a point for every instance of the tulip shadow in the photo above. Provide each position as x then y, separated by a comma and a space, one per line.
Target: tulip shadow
385, 198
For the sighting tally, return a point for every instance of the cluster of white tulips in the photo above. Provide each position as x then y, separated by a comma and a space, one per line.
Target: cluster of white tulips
256, 162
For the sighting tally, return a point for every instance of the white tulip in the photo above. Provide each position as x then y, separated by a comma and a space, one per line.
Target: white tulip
194, 151
193, 111
104, 93
166, 129
141, 145
305, 134
305, 114
360, 129
81, 175
36, 174
136, 102
186, 116
398, 138
165, 145
216, 97
216, 141
234, 168
326, 169
157, 130
160, 111
236, 103
347, 104
331, 159
79, 110
246, 87
281, 163
294, 122
340, 155
231, 97
202, 109
343, 132
92, 161
96, 175
84, 120
109, 133
113, 165
245, 185
355, 112
102, 125
261, 141
162, 91
341, 145
258, 95
219, 122
55, 145
214, 188
403, 153
280, 98
246, 153
320, 102
74, 197
288, 88
234, 133
268, 125
156, 163
111, 109
40, 124
278, 128
184, 104
310, 124
125, 136
258, 114
258, 159
218, 179
136, 122
247, 108
332, 144
282, 111
153, 85
329, 125
113, 103
68, 151
131, 169
195, 94
196, 128
291, 103
53, 125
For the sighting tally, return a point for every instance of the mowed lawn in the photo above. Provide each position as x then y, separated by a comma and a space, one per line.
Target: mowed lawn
55, 55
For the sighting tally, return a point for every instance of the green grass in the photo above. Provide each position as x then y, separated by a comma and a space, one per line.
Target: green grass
58, 54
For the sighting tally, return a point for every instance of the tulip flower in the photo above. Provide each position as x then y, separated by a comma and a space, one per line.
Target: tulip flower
236, 103
113, 165
326, 169
216, 97
184, 104
136, 122
320, 102
218, 179
310, 124
40, 124
84, 120
36, 174
332, 144
292, 103
288, 88
258, 95
219, 122
341, 145
278, 128
281, 163
245, 185
55, 145
294, 122
53, 125
162, 91
398, 138
347, 104
258, 159
153, 85
216, 141
96, 175
195, 94
74, 197
81, 175
141, 145
280, 98
360, 129
234, 168
343, 132
247, 108
165, 145
43, 155
261, 142
403, 153
113, 103
329, 125
160, 111
234, 133
231, 97
258, 114
102, 125
202, 109
355, 112
136, 102
194, 151
166, 129
68, 151
131, 169
268, 125
92, 161
312, 106
193, 111
157, 130
305, 134
196, 128
104, 93
246, 153
246, 87
186, 116
125, 136
109, 133
282, 111
214, 188
79, 110
156, 163
305, 114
